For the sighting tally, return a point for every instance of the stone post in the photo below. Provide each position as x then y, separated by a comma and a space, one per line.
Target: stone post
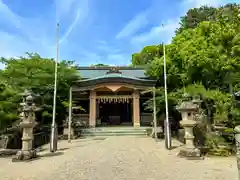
66, 129
188, 111
237, 140
27, 124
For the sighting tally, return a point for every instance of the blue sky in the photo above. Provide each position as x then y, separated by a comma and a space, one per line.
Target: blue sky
91, 31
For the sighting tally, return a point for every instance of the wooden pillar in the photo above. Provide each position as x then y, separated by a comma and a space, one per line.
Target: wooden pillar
92, 112
136, 109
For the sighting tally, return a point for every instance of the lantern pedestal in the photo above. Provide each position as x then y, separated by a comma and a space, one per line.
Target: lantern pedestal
28, 123
188, 112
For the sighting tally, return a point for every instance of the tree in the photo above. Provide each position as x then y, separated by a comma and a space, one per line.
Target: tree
147, 55
196, 15
207, 13
206, 54
37, 73
99, 65
8, 105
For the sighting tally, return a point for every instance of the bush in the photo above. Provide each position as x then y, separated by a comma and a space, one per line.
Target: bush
217, 145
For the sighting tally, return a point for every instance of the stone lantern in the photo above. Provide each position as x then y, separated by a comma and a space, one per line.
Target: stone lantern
188, 110
28, 118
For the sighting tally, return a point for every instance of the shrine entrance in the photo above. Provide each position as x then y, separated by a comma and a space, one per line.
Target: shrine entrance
111, 114
113, 98
114, 108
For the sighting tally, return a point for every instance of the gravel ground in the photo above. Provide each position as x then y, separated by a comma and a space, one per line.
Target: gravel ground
117, 158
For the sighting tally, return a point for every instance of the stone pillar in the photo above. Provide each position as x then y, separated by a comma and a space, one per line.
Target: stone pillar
136, 109
28, 123
237, 140
66, 129
188, 111
92, 112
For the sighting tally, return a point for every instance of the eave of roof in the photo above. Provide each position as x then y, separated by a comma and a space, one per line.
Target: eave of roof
110, 67
115, 75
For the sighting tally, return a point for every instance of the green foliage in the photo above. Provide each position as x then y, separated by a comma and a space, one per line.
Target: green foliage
99, 65
196, 15
173, 100
36, 73
222, 101
147, 55
202, 59
66, 105
218, 145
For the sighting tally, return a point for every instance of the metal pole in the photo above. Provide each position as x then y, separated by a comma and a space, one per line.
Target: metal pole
154, 113
70, 115
53, 144
167, 124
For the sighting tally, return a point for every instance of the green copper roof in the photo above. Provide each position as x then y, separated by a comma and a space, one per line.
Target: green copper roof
93, 72
116, 75
96, 75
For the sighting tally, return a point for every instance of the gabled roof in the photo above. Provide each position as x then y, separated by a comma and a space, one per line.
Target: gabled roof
93, 72
100, 75
115, 78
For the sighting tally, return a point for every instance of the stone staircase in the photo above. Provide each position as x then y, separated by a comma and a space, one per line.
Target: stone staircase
114, 131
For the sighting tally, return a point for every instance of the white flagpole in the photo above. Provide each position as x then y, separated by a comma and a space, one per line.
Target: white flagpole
168, 142
53, 143
154, 113
70, 115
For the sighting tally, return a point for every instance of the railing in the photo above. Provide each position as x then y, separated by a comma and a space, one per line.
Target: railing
42, 136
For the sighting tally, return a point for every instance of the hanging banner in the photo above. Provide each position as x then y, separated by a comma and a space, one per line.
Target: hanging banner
113, 99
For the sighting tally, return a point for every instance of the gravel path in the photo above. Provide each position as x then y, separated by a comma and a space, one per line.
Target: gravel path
117, 158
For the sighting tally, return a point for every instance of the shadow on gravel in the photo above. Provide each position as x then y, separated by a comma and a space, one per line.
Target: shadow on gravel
63, 149
94, 141
99, 138
39, 157
50, 154
175, 147
41, 149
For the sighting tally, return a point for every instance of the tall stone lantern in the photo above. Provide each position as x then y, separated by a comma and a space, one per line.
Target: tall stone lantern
188, 111
28, 108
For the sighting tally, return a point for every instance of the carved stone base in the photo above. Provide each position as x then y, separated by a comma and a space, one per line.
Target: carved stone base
65, 137
190, 153
65, 133
25, 155
136, 125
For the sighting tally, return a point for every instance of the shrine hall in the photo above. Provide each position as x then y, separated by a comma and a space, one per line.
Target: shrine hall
111, 96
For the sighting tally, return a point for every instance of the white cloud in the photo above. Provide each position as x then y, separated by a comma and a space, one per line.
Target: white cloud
8, 16
105, 47
198, 3
37, 34
88, 58
77, 9
7, 42
63, 8
157, 34
70, 28
119, 59
131, 27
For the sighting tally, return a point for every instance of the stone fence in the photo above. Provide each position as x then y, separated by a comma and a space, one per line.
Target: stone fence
12, 139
